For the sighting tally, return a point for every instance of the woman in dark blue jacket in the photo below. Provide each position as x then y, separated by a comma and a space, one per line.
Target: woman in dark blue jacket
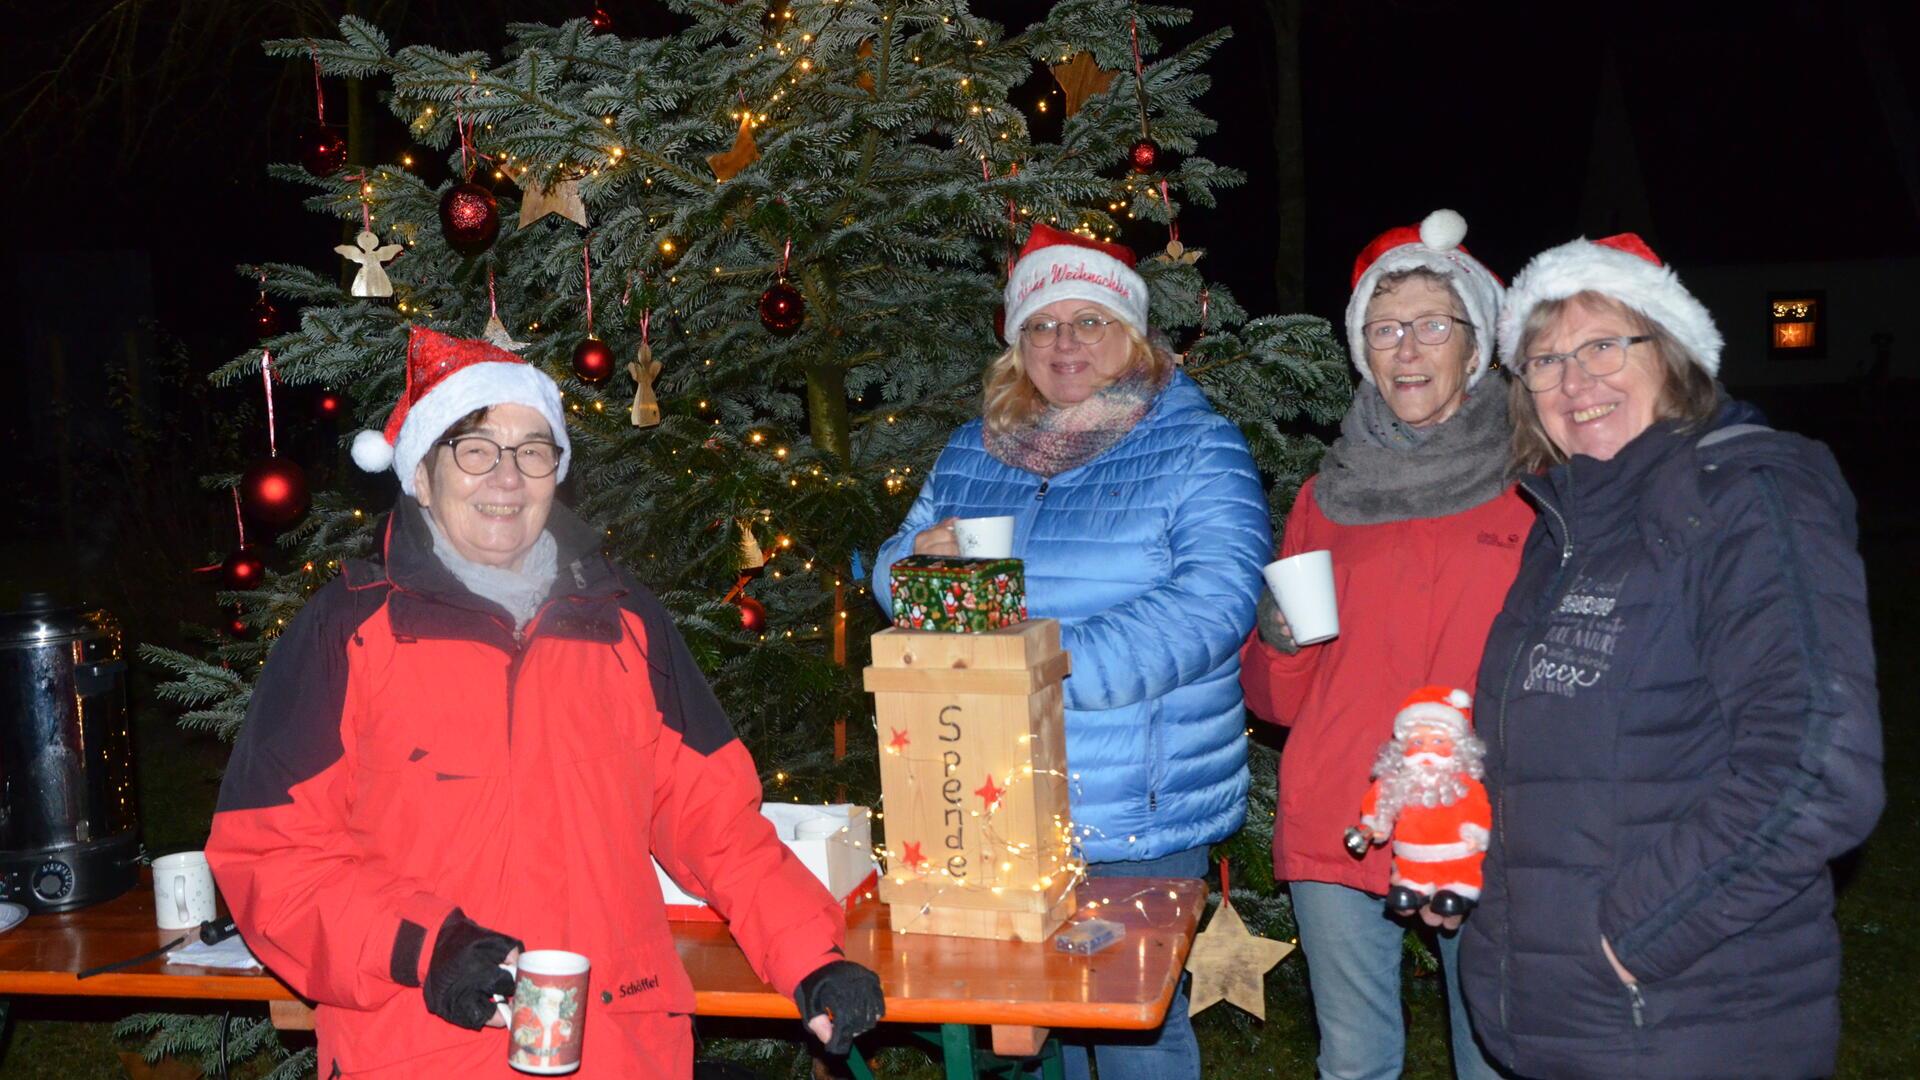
1678, 702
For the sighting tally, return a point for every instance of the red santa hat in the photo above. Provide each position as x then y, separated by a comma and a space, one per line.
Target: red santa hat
1622, 268
1435, 706
447, 378
1057, 265
1432, 245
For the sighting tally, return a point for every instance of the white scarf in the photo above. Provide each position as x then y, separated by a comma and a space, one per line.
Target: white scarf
520, 592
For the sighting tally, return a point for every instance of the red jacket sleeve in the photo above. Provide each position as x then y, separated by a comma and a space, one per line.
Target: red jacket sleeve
1272, 681
707, 827
337, 928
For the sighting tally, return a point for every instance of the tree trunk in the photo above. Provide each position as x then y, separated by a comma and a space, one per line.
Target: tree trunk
1289, 147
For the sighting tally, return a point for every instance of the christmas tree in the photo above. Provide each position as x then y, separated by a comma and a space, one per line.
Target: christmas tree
803, 213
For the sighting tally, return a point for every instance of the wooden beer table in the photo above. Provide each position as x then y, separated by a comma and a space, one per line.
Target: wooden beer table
1019, 991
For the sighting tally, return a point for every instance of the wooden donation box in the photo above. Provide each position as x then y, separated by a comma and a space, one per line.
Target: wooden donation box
973, 781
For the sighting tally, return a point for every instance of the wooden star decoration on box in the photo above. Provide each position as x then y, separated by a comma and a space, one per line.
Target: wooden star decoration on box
1229, 963
1080, 78
727, 164
562, 197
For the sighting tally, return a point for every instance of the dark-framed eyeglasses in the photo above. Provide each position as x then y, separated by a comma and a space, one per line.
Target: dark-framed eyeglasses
1598, 358
477, 455
1432, 329
1086, 329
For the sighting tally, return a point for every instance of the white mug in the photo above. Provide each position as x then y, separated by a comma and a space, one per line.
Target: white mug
1303, 585
183, 895
985, 537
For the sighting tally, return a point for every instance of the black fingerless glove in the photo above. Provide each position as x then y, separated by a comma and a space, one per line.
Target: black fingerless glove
1273, 629
848, 994
465, 974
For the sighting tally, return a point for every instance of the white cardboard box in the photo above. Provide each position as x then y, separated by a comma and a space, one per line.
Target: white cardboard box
838, 847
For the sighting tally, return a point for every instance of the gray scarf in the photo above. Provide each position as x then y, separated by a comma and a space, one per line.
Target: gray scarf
520, 592
1380, 470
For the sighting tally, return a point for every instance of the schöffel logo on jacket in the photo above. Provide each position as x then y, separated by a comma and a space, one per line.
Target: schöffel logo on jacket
1493, 539
1577, 649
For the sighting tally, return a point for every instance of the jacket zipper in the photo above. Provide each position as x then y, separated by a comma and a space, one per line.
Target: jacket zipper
1506, 692
522, 645
1639, 1005
1040, 494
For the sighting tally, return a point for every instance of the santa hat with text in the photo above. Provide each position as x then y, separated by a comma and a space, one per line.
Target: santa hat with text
1056, 265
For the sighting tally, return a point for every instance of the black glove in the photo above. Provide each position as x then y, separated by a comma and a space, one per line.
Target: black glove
848, 994
465, 974
1273, 627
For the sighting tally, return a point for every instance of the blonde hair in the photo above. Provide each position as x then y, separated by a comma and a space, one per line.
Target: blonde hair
1687, 392
1009, 399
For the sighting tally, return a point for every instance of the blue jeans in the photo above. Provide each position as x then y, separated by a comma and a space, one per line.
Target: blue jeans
1170, 1052
1353, 969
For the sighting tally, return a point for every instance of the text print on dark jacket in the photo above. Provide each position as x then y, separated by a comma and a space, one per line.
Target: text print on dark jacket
403, 755
1682, 727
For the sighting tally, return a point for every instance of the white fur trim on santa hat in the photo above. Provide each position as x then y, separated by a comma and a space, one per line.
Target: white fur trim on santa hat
1581, 266
1067, 272
1448, 714
1439, 251
476, 386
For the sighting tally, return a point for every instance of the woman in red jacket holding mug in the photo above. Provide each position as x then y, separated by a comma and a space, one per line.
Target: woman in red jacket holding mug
1415, 504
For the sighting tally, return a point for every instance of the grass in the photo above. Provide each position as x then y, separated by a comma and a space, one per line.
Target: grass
1880, 1005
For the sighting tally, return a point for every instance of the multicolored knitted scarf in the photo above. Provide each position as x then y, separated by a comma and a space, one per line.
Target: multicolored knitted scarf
1066, 437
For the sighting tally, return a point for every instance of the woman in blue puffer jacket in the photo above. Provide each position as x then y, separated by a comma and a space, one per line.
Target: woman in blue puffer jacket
1143, 528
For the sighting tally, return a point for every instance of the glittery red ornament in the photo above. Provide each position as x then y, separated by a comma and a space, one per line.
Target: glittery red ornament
1144, 156
244, 569
753, 615
330, 405
601, 21
469, 218
782, 308
274, 492
323, 149
266, 318
593, 361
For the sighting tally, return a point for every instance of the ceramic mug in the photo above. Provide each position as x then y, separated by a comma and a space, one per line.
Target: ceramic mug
183, 895
548, 1012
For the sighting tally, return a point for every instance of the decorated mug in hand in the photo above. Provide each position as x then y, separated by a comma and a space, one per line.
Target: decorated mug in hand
548, 1013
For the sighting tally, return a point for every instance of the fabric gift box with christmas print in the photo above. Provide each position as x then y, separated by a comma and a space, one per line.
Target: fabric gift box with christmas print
962, 596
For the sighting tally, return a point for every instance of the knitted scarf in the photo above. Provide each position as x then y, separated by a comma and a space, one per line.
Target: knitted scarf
1380, 470
519, 592
1066, 437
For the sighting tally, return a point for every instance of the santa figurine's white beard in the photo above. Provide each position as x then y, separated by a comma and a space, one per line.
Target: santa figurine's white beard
1423, 779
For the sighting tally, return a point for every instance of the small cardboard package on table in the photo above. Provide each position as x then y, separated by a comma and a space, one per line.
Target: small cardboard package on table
835, 842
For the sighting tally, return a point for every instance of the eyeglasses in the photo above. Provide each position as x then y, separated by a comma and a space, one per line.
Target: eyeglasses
1432, 329
477, 455
1087, 330
1598, 358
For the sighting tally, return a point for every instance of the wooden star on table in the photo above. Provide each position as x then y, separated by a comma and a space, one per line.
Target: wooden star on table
1080, 78
1229, 963
727, 164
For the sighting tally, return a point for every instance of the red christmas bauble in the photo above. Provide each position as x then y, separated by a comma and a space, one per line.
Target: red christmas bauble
244, 569
330, 405
274, 492
1144, 156
323, 149
237, 626
601, 21
753, 615
469, 218
266, 318
782, 308
593, 361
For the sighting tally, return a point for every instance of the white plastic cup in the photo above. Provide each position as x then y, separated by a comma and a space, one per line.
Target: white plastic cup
183, 895
818, 828
1303, 584
985, 537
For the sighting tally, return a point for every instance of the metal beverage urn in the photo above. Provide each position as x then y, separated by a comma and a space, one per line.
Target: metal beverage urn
69, 828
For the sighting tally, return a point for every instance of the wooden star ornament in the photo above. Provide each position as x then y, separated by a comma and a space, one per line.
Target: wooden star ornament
561, 197
1080, 78
727, 164
1229, 963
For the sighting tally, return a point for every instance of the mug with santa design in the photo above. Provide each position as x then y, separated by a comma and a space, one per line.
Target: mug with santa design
548, 1012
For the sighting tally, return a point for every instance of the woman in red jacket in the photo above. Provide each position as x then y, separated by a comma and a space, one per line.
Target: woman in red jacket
476, 742
1414, 502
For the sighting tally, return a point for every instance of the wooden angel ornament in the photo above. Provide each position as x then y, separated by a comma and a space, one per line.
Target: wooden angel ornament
372, 280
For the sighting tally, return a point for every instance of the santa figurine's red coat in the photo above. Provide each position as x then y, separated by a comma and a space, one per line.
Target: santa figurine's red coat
1433, 759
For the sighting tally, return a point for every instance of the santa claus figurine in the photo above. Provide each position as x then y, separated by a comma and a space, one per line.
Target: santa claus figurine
1427, 798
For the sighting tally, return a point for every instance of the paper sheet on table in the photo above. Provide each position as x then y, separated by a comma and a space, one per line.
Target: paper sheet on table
231, 954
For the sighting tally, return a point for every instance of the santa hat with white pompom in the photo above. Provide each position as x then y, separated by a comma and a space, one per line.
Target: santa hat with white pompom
1432, 245
1624, 269
447, 378
1441, 707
